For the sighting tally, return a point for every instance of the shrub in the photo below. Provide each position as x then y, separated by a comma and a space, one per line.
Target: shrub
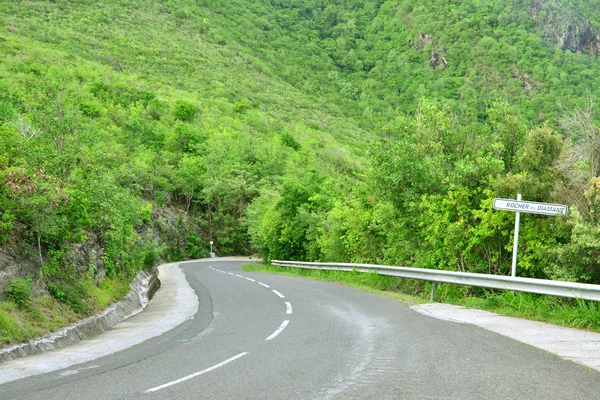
9, 325
73, 295
185, 111
241, 106
195, 246
146, 213
19, 290
145, 254
7, 112
6, 226
289, 141
89, 109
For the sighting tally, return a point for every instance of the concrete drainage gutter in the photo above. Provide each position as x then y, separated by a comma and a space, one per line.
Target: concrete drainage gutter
143, 288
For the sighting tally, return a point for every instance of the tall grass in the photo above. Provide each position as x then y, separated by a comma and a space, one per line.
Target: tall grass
575, 313
46, 314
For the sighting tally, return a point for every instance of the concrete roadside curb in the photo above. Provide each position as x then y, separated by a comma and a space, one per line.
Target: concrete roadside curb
143, 287
576, 345
172, 305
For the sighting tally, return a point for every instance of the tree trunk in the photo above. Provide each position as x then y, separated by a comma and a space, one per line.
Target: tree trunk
39, 240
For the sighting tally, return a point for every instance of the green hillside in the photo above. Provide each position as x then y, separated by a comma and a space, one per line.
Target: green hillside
364, 131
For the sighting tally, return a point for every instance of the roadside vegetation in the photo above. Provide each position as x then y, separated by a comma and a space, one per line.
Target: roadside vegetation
373, 131
23, 317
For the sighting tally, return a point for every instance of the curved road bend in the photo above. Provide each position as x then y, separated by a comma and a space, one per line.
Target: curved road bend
259, 336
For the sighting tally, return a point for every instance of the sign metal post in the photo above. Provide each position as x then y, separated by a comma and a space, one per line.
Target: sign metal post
516, 240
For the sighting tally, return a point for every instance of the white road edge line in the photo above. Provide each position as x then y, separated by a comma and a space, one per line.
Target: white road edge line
232, 274
262, 284
279, 330
185, 378
251, 280
239, 276
288, 307
278, 294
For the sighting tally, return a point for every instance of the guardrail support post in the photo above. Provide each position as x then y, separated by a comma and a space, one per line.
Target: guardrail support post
432, 296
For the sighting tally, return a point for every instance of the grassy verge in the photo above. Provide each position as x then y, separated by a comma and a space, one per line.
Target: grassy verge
563, 312
555, 310
29, 319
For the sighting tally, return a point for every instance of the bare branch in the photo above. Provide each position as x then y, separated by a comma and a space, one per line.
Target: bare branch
24, 128
585, 136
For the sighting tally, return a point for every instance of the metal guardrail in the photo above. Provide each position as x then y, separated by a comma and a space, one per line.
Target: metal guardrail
582, 291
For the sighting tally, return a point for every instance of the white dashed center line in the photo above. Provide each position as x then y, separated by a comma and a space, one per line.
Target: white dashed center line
288, 311
279, 330
185, 378
69, 372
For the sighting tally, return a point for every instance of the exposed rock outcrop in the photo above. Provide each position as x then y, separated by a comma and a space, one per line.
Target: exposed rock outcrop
20, 259
564, 27
436, 59
17, 258
169, 227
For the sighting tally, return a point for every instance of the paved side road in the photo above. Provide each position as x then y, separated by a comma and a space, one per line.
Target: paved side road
576, 345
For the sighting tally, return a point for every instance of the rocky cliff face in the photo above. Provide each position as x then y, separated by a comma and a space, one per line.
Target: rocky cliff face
20, 259
170, 229
565, 27
17, 258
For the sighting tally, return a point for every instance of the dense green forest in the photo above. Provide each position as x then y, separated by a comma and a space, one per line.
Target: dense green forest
336, 130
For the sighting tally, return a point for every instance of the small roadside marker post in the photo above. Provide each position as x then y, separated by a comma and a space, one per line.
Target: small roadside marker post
529, 207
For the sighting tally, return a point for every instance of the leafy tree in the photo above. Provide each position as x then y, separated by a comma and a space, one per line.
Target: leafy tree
40, 197
190, 177
185, 111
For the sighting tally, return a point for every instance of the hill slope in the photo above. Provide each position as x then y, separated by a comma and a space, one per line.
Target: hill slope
127, 138
372, 131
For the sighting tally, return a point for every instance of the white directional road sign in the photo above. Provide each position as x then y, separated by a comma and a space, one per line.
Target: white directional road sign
520, 206
530, 207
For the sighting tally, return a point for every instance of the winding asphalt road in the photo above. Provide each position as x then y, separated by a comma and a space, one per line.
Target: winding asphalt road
258, 336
